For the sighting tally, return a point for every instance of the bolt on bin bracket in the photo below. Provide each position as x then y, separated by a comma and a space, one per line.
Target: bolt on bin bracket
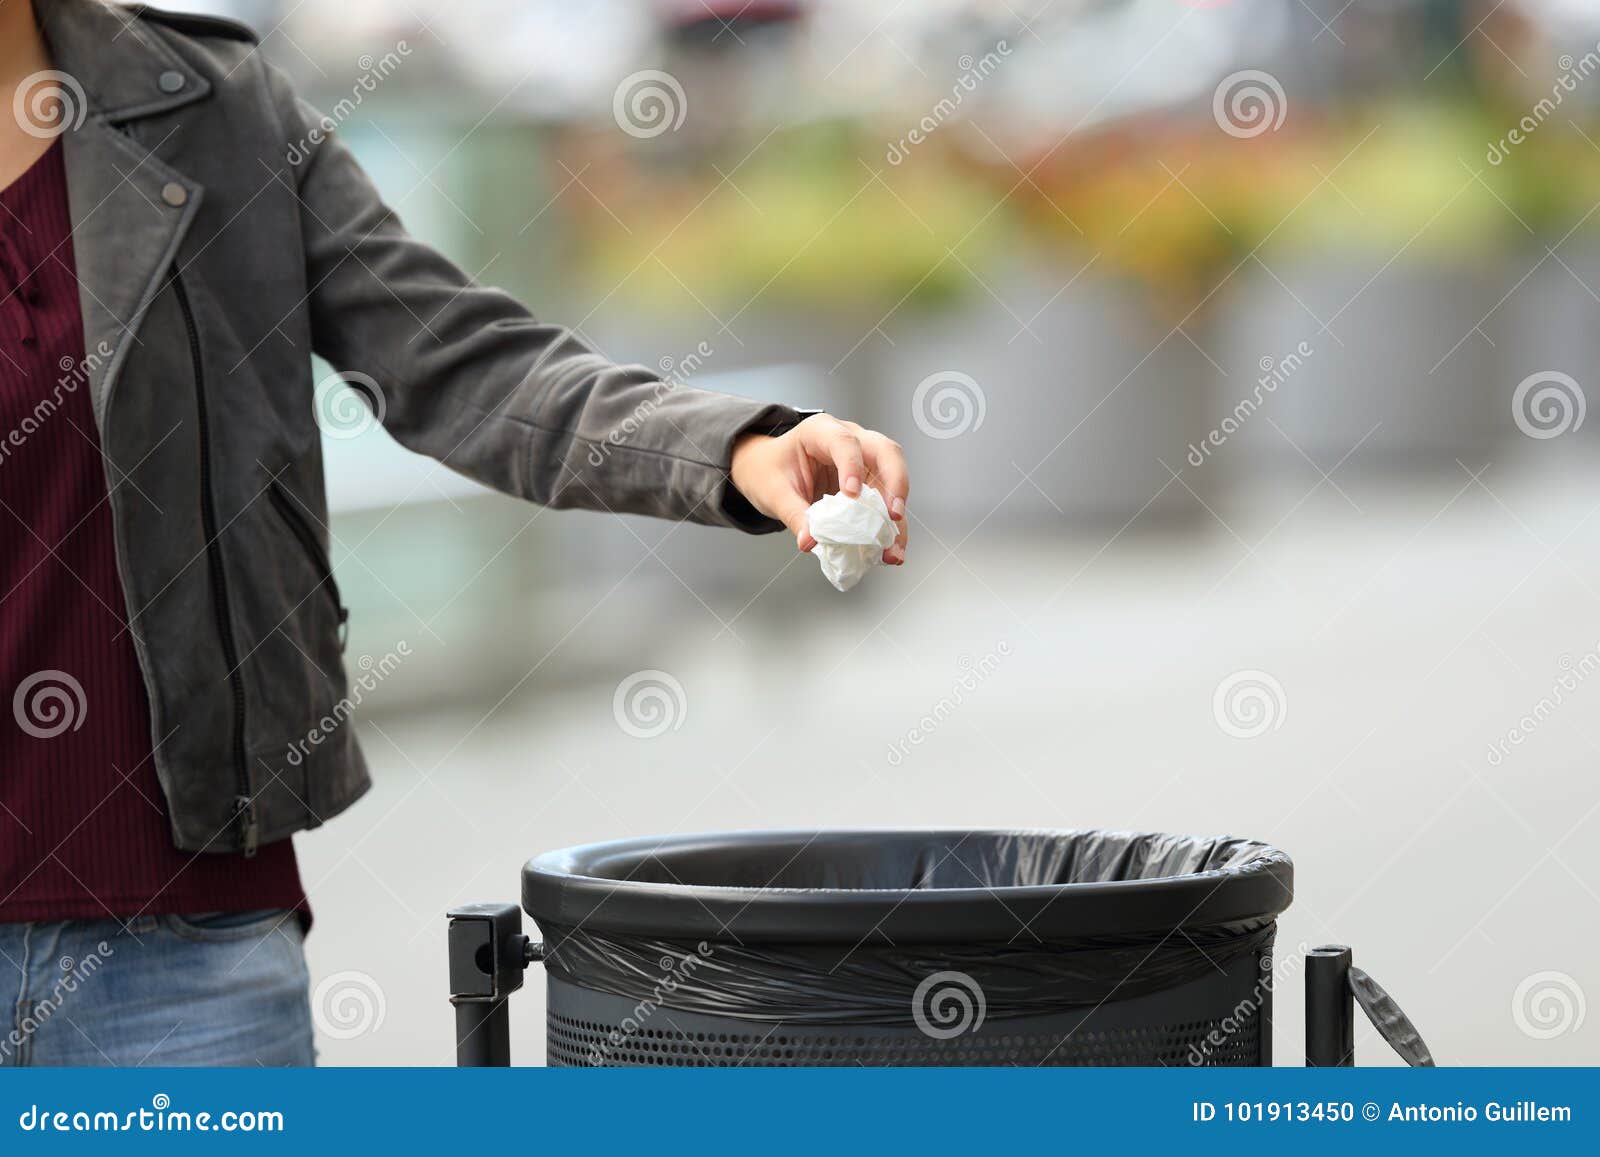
488, 955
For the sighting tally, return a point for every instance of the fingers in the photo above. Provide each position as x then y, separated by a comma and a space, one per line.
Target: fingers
855, 457
835, 442
896, 554
887, 462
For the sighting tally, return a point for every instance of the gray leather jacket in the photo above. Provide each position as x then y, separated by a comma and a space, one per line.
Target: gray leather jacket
219, 243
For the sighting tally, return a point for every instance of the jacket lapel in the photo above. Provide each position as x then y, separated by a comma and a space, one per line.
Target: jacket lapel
130, 209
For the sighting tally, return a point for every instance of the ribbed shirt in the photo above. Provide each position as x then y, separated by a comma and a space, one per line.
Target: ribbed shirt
84, 831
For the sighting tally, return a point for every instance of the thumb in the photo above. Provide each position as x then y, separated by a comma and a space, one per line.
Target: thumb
794, 512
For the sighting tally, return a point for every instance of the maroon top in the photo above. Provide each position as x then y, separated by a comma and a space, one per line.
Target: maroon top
83, 822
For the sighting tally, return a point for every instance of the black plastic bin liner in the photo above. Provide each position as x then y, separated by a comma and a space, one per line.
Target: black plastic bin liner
841, 927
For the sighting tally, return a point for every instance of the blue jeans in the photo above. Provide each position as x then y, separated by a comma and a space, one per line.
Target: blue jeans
215, 989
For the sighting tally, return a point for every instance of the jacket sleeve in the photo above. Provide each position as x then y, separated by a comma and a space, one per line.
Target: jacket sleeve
468, 376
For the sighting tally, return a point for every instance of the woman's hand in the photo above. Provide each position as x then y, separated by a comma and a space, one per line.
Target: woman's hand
781, 477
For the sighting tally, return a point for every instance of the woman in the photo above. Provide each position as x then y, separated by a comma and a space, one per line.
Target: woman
178, 235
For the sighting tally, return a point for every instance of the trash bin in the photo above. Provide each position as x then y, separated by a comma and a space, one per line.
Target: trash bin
909, 948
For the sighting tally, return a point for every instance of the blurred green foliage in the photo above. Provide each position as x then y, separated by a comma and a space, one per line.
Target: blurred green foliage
804, 221
815, 219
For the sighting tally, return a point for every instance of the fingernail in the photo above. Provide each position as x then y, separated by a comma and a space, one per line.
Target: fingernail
897, 508
852, 486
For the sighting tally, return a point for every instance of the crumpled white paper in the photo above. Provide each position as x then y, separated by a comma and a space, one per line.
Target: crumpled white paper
851, 534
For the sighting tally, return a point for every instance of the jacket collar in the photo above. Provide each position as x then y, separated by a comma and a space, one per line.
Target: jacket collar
124, 69
130, 208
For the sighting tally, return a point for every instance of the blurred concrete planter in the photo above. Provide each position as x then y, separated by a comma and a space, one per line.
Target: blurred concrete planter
1065, 421
452, 585
1546, 329
1402, 379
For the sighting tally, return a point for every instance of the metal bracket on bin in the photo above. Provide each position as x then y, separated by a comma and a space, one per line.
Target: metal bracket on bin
488, 955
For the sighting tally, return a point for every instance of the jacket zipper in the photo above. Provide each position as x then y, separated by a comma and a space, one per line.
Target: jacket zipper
244, 807
301, 528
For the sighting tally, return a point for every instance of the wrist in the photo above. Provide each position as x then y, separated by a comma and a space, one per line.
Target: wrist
746, 449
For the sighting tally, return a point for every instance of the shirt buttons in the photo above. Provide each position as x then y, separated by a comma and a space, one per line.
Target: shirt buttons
171, 81
174, 194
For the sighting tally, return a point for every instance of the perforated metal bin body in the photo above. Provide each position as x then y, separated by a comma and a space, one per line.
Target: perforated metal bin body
755, 904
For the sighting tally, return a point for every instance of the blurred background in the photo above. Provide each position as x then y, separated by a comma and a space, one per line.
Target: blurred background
1241, 350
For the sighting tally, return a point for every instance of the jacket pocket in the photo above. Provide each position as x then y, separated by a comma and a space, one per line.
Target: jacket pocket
294, 517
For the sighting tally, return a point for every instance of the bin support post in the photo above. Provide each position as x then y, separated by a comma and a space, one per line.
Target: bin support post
483, 1034
1330, 1008
488, 955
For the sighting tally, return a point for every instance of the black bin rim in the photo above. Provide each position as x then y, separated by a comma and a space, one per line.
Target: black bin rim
605, 888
